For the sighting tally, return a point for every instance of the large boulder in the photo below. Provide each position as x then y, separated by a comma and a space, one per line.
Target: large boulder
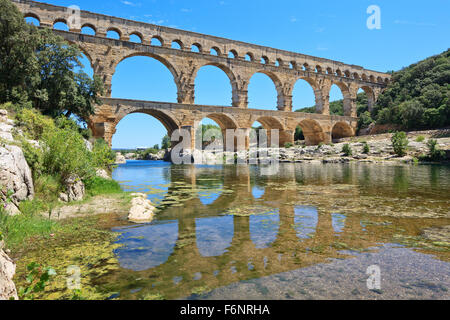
16, 182
141, 209
102, 173
7, 270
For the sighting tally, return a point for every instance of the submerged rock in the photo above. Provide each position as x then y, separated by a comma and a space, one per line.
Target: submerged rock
7, 270
141, 209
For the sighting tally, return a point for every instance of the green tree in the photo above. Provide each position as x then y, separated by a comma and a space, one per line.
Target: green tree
399, 143
166, 143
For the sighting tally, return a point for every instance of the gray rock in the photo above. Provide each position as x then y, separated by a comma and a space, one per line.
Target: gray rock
15, 178
141, 209
7, 271
102, 173
120, 158
75, 188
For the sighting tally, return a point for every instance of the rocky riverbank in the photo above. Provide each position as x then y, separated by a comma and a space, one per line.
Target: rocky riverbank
372, 149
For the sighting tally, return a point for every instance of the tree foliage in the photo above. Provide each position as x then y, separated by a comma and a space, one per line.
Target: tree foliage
38, 69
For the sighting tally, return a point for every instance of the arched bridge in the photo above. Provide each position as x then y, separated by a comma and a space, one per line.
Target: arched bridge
184, 53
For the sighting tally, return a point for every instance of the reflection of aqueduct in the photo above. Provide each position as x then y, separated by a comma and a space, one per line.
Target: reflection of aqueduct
243, 258
239, 60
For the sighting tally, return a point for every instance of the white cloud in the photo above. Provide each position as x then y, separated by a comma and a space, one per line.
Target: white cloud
293, 19
129, 3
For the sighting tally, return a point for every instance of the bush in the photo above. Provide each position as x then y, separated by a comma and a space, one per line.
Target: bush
288, 145
102, 155
65, 153
420, 139
366, 148
399, 143
347, 150
434, 153
33, 123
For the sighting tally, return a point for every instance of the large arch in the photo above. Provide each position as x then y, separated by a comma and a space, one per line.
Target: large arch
370, 96
170, 90
313, 132
346, 97
167, 120
277, 97
341, 130
211, 68
304, 94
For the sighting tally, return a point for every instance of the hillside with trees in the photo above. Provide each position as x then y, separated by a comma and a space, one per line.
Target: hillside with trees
417, 98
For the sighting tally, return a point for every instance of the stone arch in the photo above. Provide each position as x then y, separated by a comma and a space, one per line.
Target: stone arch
370, 96
279, 62
233, 53
339, 73
32, 15
224, 121
341, 130
313, 132
372, 78
329, 70
249, 57
158, 38
165, 117
178, 42
319, 69
347, 74
230, 74
165, 62
364, 77
318, 96
269, 123
356, 76
89, 25
62, 20
198, 46
265, 60
114, 29
276, 81
216, 50
137, 34
345, 90
306, 67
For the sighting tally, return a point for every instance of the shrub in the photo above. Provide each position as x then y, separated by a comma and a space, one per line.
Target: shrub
420, 139
33, 123
399, 143
102, 155
366, 148
434, 153
65, 153
320, 145
347, 150
288, 145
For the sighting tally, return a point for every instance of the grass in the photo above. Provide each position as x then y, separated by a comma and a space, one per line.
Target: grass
31, 223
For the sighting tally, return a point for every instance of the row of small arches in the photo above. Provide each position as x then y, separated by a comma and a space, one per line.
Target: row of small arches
137, 37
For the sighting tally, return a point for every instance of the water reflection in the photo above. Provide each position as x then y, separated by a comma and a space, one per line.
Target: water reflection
223, 224
214, 235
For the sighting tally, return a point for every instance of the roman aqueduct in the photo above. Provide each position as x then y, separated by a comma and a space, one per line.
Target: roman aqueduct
239, 60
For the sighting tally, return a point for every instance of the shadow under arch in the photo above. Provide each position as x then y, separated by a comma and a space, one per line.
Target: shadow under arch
312, 132
341, 130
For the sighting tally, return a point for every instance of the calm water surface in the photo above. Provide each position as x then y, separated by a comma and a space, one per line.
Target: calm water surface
306, 232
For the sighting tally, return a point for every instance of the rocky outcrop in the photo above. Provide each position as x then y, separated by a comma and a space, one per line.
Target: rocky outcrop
74, 189
16, 182
141, 209
7, 270
102, 173
120, 159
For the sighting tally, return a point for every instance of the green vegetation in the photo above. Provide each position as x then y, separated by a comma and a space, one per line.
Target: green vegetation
434, 153
420, 139
37, 279
399, 143
37, 69
366, 148
347, 150
418, 97
288, 145
166, 143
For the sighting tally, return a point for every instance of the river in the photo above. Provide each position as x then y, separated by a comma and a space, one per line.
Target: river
302, 232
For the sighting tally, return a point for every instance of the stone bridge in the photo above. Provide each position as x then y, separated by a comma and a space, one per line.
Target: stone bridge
185, 52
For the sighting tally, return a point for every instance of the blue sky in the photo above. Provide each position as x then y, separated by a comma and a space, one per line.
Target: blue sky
410, 31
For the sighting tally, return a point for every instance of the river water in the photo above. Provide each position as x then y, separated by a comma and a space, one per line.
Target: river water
303, 232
